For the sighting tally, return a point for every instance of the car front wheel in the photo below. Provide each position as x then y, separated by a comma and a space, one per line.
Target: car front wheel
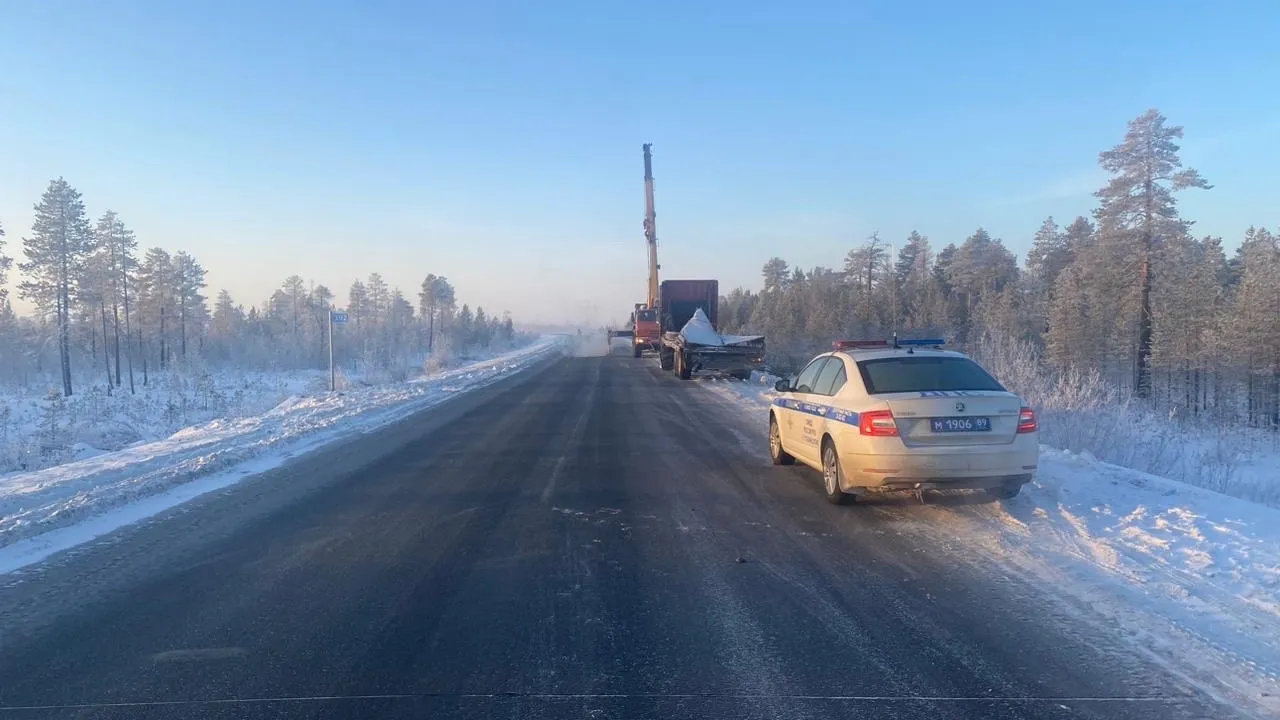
831, 474
776, 453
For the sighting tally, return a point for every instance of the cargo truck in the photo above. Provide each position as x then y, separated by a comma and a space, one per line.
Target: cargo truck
691, 341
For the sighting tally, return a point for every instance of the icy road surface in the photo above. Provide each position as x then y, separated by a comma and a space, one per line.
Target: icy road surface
1191, 575
50, 510
591, 538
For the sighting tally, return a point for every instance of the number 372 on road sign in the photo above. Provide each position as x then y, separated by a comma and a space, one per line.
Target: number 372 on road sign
338, 318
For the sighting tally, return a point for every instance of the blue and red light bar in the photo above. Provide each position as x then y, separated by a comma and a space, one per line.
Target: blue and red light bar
896, 343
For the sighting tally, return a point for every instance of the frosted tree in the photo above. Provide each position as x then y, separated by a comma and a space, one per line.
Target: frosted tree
980, 267
434, 300
862, 264
776, 274
1252, 324
824, 304
922, 306
115, 253
155, 308
5, 263
1186, 303
358, 309
379, 298
1049, 255
188, 284
94, 296
8, 319
399, 331
321, 304
484, 331
1077, 237
736, 309
56, 250
293, 311
226, 326
777, 277
864, 267
1138, 211
462, 327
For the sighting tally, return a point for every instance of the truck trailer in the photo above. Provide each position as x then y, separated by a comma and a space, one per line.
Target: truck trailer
691, 341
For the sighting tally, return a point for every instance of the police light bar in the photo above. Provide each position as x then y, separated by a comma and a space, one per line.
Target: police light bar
920, 342
849, 344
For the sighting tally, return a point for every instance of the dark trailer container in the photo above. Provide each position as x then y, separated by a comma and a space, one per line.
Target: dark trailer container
680, 299
706, 350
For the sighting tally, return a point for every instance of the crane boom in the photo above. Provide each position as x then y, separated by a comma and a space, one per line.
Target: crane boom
650, 227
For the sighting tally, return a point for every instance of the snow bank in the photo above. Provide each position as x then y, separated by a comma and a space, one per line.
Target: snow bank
1083, 412
1189, 574
34, 503
44, 429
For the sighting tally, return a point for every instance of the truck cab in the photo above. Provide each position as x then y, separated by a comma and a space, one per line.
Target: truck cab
647, 332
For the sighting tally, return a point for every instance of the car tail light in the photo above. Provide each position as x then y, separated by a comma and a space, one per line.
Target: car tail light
1027, 420
878, 422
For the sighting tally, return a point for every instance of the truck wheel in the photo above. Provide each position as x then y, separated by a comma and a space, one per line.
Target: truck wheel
776, 453
831, 474
666, 359
682, 366
635, 351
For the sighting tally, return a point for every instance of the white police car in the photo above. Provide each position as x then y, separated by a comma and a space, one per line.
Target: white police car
903, 415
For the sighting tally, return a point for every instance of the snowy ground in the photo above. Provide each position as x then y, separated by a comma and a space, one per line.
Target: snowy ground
41, 429
48, 510
1191, 575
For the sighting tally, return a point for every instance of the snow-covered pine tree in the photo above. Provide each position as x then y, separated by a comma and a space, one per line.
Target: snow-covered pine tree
1139, 213
155, 294
5, 263
55, 259
115, 250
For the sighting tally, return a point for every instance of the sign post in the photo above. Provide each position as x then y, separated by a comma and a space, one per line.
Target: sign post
336, 317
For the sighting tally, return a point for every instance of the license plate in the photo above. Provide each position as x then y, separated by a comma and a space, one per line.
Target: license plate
960, 424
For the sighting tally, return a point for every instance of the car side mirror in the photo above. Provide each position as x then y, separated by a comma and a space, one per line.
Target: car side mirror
783, 385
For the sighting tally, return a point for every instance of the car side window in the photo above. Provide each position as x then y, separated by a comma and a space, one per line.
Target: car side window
839, 382
831, 372
804, 382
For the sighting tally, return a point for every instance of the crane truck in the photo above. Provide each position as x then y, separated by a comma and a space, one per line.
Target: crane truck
678, 320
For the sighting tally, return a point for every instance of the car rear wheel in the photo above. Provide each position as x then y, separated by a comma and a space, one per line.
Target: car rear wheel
831, 474
776, 453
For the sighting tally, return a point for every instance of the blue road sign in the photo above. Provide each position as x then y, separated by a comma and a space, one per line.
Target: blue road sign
339, 318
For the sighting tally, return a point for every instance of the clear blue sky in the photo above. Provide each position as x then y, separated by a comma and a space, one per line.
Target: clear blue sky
499, 143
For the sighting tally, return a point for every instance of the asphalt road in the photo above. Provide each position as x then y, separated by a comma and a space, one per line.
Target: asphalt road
590, 539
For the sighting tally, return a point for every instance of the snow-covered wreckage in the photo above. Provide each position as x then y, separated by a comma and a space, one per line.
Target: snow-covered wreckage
698, 346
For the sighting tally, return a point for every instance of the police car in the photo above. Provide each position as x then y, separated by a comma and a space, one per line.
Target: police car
903, 415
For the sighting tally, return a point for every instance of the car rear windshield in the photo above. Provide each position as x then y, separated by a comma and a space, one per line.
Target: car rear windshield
919, 374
